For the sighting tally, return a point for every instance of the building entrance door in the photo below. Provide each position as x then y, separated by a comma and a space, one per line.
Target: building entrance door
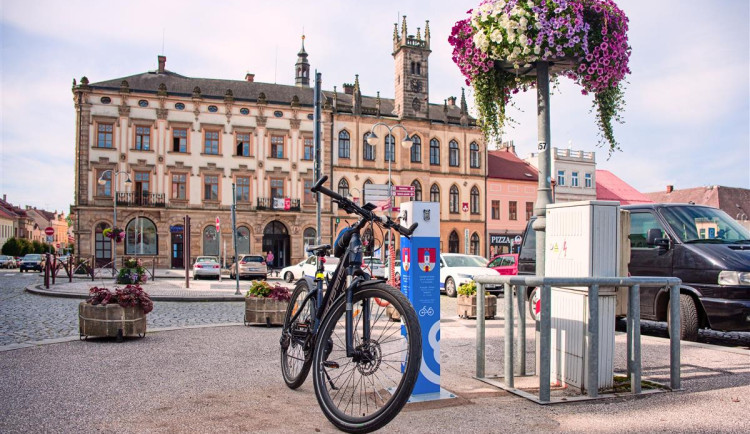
178, 236
276, 240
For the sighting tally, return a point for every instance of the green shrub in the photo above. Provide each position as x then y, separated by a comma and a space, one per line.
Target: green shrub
468, 288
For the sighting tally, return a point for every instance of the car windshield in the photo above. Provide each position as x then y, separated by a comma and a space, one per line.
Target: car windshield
207, 259
253, 259
464, 261
4, 258
699, 224
32, 258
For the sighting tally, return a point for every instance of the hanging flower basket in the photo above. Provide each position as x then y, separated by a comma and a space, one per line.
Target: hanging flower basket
498, 46
116, 234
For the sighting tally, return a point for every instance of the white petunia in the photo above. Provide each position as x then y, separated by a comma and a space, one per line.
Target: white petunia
523, 39
537, 50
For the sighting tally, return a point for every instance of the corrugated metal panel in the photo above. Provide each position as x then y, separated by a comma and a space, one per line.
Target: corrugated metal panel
568, 332
605, 243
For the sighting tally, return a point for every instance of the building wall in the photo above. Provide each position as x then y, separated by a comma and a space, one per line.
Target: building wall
571, 161
6, 229
502, 232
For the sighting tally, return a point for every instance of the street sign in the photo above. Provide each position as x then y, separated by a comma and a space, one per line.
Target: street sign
57, 246
50, 238
49, 231
403, 190
377, 194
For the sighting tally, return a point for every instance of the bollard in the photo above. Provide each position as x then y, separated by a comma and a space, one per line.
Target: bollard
521, 331
674, 338
508, 359
480, 331
635, 379
545, 344
592, 388
630, 323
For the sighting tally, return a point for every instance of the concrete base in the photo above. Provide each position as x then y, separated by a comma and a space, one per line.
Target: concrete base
424, 397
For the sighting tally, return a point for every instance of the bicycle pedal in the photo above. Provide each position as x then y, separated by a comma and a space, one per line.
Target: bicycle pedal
330, 364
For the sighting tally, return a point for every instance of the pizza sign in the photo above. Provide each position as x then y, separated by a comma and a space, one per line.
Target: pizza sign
427, 258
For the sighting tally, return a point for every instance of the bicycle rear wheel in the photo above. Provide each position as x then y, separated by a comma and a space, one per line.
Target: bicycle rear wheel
296, 338
363, 393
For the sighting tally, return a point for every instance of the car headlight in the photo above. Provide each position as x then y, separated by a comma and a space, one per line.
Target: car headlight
465, 276
734, 278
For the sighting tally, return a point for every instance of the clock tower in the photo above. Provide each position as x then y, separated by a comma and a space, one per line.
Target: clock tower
412, 79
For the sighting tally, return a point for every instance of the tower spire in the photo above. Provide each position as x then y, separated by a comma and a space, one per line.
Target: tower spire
302, 67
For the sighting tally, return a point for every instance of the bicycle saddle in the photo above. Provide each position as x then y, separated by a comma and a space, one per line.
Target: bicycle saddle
319, 250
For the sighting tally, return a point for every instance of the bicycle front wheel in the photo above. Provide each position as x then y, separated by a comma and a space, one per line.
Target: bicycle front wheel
296, 337
364, 392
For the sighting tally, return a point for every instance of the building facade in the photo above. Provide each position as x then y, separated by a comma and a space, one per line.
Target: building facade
162, 146
511, 193
573, 174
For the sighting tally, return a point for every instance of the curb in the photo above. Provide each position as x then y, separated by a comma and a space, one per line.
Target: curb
38, 290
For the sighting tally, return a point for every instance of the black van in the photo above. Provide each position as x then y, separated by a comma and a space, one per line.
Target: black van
703, 246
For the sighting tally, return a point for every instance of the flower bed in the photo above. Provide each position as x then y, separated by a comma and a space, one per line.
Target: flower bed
496, 49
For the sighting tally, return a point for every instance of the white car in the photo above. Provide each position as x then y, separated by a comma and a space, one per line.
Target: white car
206, 266
375, 266
308, 267
396, 269
457, 269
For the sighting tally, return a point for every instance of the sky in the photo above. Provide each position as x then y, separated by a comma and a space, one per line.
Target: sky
687, 119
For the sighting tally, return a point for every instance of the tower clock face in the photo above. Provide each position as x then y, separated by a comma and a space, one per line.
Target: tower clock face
416, 85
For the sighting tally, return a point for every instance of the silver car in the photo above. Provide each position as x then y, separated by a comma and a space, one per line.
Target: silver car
206, 266
253, 266
7, 261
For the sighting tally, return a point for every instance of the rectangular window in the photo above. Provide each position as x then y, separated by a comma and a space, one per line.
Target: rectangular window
512, 211
587, 180
243, 189
211, 187
277, 188
560, 178
495, 210
308, 149
179, 186
142, 138
211, 143
179, 140
277, 147
529, 210
106, 189
574, 179
242, 142
309, 197
104, 136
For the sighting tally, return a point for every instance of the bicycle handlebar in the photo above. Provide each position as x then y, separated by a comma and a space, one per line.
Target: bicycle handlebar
351, 207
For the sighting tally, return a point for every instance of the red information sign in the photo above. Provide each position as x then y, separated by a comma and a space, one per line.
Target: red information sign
49, 231
403, 190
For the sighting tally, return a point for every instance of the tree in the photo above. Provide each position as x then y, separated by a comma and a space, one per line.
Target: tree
25, 247
37, 247
11, 247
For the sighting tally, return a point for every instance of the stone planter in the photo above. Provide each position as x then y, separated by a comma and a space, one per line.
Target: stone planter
111, 320
264, 311
467, 306
392, 313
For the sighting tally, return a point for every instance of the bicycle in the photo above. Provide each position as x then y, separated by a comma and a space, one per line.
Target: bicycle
364, 364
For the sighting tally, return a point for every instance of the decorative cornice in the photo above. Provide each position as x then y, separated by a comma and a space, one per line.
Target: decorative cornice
261, 120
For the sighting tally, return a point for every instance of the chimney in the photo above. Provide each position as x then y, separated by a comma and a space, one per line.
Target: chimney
5, 199
249, 77
452, 101
348, 88
162, 64
670, 188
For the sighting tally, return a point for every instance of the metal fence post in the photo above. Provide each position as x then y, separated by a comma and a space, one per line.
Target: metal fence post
592, 388
508, 359
545, 344
674, 337
635, 379
521, 331
480, 330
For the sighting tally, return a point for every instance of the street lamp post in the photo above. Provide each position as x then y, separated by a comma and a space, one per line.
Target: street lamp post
406, 143
103, 181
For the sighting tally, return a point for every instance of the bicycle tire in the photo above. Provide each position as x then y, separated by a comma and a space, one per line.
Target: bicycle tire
373, 368
292, 337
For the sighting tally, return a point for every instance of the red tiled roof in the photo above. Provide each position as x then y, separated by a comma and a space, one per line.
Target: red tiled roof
734, 201
610, 187
6, 214
507, 165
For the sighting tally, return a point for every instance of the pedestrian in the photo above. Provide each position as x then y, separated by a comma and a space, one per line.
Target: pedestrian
269, 259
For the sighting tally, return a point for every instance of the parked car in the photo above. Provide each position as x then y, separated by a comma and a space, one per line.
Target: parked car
253, 266
7, 261
375, 265
308, 267
396, 270
457, 269
505, 264
703, 246
206, 266
32, 261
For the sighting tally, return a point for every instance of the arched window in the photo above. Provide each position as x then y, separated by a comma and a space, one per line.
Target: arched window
367, 149
453, 202
141, 238
417, 190
390, 148
453, 242
474, 200
344, 144
434, 152
474, 157
434, 193
211, 241
344, 187
474, 246
243, 240
102, 245
453, 155
308, 239
416, 149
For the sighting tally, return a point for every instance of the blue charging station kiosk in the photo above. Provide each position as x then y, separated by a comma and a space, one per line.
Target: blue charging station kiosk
420, 282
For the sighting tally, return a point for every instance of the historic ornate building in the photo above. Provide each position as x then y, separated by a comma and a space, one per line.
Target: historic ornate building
176, 144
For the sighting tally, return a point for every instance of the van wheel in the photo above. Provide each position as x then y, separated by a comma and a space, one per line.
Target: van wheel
450, 287
688, 318
288, 276
535, 304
